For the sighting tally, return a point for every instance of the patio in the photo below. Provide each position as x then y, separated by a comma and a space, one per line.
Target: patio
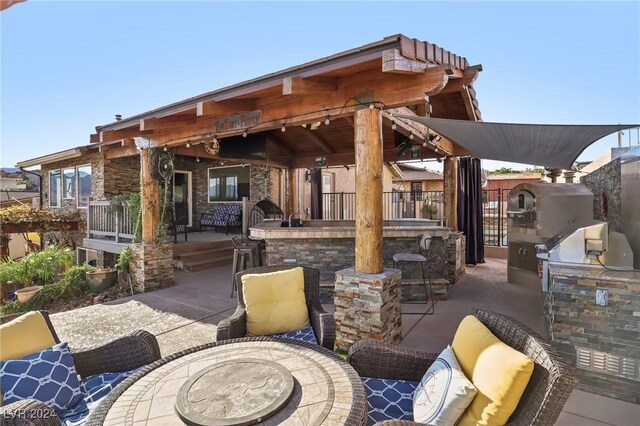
186, 315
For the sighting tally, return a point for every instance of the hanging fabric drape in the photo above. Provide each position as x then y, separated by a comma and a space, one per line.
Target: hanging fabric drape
470, 208
316, 194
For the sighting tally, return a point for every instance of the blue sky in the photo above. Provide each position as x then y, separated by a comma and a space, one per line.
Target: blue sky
69, 66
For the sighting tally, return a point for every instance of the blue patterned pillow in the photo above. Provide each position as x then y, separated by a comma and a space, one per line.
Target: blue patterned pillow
48, 376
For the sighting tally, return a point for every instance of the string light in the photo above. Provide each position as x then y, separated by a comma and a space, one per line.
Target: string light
327, 120
393, 125
244, 134
164, 149
304, 125
188, 145
283, 128
197, 159
411, 136
424, 144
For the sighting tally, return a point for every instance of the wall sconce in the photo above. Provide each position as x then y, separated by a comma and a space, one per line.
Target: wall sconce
307, 176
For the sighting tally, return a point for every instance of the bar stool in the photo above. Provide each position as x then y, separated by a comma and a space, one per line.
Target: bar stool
243, 258
422, 258
259, 245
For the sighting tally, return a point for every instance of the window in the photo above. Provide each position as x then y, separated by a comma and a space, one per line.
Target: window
84, 185
228, 183
55, 188
69, 183
416, 191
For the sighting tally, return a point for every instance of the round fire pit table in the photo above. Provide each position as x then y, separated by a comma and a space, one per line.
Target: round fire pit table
240, 382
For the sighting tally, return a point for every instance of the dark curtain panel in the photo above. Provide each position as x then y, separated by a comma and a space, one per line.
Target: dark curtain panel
470, 208
316, 194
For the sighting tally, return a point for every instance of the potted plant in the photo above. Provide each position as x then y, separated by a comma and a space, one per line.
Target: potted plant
101, 279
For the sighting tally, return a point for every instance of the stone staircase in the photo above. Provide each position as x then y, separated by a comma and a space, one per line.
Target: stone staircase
197, 256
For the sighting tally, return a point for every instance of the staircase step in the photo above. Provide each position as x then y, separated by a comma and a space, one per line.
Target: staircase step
179, 249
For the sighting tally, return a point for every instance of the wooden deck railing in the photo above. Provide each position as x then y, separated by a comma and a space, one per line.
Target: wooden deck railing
102, 221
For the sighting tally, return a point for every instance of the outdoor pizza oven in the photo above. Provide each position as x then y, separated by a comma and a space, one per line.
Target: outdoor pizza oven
537, 212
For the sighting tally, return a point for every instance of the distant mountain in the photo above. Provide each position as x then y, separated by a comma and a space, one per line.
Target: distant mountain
9, 170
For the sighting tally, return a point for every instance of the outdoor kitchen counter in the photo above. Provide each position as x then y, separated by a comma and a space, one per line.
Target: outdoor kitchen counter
594, 274
329, 246
270, 230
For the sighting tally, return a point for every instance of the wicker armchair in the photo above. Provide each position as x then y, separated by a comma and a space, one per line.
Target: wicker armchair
323, 323
549, 387
122, 354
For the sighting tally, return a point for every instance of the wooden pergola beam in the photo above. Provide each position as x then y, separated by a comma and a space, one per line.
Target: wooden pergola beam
166, 122
114, 135
225, 107
308, 86
339, 159
468, 77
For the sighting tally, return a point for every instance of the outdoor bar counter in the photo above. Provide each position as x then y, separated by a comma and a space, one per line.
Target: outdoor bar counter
329, 245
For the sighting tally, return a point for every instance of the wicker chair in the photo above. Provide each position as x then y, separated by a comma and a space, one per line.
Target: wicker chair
549, 387
122, 354
323, 323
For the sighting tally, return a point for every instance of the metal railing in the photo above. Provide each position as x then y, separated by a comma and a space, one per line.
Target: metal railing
424, 204
395, 205
105, 222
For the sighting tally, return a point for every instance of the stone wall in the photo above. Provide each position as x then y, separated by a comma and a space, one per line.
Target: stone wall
329, 255
606, 180
121, 176
573, 320
367, 306
152, 266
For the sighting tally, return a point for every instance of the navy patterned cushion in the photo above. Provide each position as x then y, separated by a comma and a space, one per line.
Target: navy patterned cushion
305, 334
93, 388
48, 376
389, 399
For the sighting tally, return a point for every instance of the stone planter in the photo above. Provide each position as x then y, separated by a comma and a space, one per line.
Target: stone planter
27, 293
101, 280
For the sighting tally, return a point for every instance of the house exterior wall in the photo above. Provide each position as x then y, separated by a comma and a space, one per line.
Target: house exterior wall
493, 184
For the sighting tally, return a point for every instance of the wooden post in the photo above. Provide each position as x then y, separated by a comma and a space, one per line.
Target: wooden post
368, 154
451, 192
150, 202
292, 184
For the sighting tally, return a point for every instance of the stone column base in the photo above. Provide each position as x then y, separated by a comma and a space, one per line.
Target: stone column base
367, 306
152, 266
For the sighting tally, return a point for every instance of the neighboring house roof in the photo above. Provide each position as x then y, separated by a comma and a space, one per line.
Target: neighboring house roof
414, 173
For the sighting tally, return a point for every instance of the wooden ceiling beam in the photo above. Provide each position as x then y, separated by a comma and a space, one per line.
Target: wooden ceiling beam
300, 162
316, 139
226, 107
371, 85
166, 122
280, 144
128, 149
308, 86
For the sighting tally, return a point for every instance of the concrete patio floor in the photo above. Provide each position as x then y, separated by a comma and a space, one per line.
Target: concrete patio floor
186, 315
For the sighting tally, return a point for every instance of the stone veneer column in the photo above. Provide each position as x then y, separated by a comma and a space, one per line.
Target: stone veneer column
367, 306
152, 266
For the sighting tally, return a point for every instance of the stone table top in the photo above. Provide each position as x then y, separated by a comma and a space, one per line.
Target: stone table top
326, 391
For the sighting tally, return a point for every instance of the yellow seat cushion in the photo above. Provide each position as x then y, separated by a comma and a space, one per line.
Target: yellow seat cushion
275, 302
24, 335
499, 372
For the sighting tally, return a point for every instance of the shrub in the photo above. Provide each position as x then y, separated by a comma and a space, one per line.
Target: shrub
43, 267
72, 285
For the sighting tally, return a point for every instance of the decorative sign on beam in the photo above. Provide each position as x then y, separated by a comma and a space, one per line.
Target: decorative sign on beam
238, 122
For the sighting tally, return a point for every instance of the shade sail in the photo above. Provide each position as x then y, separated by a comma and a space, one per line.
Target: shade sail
548, 145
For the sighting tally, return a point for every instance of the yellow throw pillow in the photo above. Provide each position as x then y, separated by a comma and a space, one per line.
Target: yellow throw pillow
499, 373
275, 302
24, 335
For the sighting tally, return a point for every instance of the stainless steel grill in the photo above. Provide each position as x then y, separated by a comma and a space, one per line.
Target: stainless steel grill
538, 212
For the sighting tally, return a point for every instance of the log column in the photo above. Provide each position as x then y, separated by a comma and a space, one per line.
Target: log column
150, 201
368, 152
367, 297
152, 264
